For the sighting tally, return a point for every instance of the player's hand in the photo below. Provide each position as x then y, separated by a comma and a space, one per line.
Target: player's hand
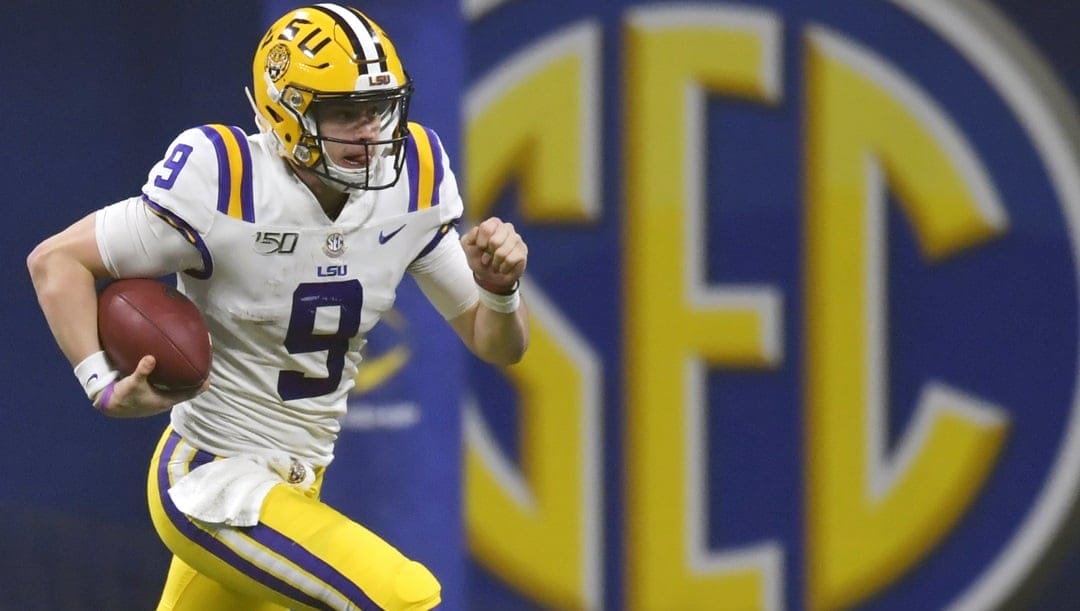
133, 396
496, 254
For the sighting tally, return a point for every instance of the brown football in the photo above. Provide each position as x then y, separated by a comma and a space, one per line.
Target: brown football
141, 316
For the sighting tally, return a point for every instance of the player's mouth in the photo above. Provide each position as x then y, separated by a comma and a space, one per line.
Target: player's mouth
358, 160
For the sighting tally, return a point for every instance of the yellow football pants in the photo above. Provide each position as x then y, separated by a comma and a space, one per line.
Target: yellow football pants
301, 555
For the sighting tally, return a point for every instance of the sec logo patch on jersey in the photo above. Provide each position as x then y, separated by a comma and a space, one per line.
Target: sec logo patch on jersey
847, 339
334, 246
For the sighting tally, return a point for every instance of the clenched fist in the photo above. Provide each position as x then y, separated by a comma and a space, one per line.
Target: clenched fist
497, 254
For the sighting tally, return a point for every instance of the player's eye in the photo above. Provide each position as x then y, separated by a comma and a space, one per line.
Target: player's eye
351, 112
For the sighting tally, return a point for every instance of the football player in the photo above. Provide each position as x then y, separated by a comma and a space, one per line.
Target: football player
292, 242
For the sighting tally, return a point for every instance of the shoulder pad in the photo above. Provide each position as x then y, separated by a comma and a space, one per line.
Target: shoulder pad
206, 171
431, 181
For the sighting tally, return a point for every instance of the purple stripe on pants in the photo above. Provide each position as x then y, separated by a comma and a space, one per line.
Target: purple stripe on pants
286, 547
205, 540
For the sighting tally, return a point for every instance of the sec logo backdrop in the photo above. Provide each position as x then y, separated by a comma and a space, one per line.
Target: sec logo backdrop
805, 313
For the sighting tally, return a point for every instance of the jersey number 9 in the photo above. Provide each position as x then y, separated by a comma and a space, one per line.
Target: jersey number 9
302, 336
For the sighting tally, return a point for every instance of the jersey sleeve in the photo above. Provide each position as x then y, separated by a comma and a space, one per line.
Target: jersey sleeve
444, 276
136, 242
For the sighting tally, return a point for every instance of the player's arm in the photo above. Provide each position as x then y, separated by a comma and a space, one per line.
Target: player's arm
474, 282
496, 329
491, 322
124, 240
64, 269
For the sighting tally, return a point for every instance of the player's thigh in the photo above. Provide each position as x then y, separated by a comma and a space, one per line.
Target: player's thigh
302, 554
188, 590
347, 557
215, 551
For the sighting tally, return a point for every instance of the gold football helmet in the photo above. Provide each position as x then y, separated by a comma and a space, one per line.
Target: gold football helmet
327, 53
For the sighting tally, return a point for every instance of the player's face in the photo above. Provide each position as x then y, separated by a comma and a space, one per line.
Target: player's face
347, 126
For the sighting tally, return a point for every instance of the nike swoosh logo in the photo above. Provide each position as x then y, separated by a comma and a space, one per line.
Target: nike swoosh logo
92, 377
385, 237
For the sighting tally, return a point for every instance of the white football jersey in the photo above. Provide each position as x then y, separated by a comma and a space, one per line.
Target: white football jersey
288, 293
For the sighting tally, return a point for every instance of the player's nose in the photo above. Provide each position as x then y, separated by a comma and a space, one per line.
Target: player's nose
367, 129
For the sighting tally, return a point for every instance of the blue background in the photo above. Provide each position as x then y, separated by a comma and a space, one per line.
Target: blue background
93, 92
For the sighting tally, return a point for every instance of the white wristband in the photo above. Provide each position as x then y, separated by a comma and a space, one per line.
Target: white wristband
94, 373
504, 304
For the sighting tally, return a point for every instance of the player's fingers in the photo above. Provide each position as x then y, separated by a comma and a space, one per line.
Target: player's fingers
489, 234
511, 266
502, 234
476, 247
496, 239
146, 366
483, 239
511, 249
514, 262
469, 239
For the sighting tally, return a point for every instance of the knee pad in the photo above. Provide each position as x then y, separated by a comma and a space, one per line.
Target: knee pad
415, 588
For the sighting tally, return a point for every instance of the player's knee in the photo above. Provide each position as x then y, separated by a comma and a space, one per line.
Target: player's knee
415, 588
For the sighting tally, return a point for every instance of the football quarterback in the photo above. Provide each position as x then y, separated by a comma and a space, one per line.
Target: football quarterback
292, 242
